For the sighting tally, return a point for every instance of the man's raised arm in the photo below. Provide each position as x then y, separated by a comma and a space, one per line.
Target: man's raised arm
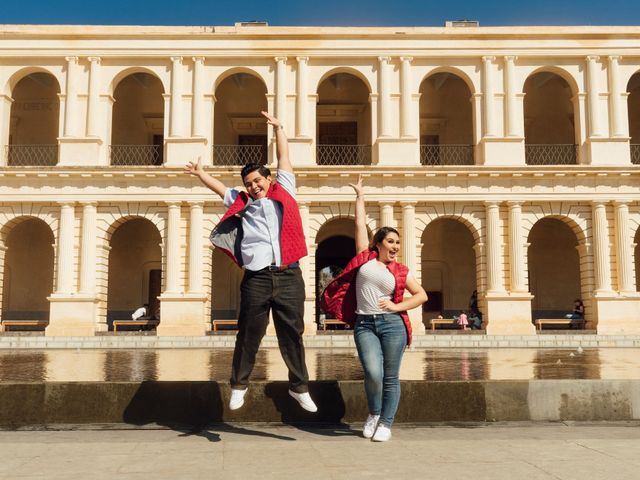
282, 144
214, 184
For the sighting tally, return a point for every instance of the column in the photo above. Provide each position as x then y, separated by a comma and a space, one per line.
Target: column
64, 265
93, 98
494, 248
173, 248
175, 119
510, 96
615, 98
405, 97
197, 102
516, 250
88, 249
384, 99
302, 99
624, 257
281, 89
602, 265
592, 93
71, 98
489, 116
408, 235
386, 215
195, 246
5, 120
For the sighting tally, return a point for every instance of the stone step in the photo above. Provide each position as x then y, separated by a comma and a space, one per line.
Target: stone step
27, 405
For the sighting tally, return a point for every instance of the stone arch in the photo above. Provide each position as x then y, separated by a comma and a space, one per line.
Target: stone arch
15, 78
453, 71
126, 72
350, 70
27, 268
561, 72
235, 70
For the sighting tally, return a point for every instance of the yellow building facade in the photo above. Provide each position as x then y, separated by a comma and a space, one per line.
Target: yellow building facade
506, 157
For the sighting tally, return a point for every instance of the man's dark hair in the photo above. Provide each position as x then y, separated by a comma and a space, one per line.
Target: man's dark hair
380, 235
252, 167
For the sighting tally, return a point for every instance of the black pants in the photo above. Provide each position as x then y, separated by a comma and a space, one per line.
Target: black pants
282, 293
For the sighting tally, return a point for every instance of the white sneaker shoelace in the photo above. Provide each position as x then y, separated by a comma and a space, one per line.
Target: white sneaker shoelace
370, 425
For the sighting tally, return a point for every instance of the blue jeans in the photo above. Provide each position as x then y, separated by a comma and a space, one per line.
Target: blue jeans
380, 340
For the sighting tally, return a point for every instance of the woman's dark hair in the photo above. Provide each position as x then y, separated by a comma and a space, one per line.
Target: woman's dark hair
252, 167
380, 235
577, 300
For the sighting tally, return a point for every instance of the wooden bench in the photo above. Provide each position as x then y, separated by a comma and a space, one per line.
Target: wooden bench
217, 322
134, 323
580, 322
442, 321
332, 321
24, 323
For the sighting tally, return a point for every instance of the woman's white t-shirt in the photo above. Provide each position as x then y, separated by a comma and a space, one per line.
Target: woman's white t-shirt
374, 282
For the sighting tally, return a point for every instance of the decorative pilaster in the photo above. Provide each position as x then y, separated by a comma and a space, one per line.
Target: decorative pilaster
64, 265
495, 281
175, 118
88, 249
510, 96
195, 246
615, 98
593, 96
197, 102
601, 248
71, 98
5, 121
408, 236
516, 254
624, 258
302, 99
384, 97
405, 97
93, 98
386, 215
281, 89
173, 248
487, 79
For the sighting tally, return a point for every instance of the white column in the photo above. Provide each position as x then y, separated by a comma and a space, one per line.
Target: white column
510, 96
197, 102
302, 100
405, 97
5, 120
173, 248
71, 98
487, 78
175, 119
88, 249
64, 283
495, 281
602, 264
93, 99
195, 246
386, 215
592, 93
408, 235
624, 258
281, 89
384, 100
516, 253
615, 98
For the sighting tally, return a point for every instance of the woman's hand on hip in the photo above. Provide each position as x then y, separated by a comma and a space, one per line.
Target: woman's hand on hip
388, 305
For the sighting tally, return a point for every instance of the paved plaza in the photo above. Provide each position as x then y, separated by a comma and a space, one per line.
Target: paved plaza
245, 451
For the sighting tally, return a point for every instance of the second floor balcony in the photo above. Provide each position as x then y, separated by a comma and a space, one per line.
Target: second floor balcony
31, 155
551, 154
136, 155
433, 155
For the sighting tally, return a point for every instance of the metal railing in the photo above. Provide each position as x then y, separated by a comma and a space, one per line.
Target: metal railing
228, 155
551, 154
343, 154
31, 155
635, 154
130, 155
446, 155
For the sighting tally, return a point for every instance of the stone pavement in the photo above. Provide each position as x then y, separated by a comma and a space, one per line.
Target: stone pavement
246, 451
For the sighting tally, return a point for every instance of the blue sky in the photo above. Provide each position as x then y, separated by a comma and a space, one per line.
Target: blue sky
325, 12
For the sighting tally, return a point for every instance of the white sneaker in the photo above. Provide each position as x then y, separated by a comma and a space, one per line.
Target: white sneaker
383, 433
237, 398
370, 425
304, 399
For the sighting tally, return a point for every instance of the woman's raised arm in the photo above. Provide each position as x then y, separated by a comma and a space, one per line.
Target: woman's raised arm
362, 237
